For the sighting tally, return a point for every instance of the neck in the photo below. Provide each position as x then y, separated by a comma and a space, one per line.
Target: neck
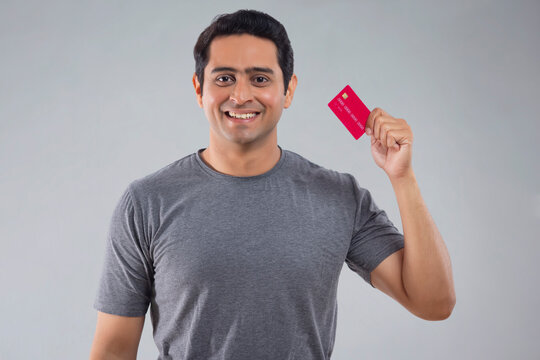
242, 161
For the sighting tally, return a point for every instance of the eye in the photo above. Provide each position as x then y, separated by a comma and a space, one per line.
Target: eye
261, 79
226, 79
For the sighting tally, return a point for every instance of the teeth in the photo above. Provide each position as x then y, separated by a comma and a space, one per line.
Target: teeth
242, 116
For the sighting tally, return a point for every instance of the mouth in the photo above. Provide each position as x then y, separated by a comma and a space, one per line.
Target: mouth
242, 117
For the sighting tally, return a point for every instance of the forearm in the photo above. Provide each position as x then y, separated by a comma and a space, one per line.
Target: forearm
111, 350
105, 355
427, 270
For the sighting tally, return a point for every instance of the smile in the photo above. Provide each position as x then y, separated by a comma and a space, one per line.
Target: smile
241, 117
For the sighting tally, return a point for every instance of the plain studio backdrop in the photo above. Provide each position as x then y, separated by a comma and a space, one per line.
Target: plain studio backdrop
96, 94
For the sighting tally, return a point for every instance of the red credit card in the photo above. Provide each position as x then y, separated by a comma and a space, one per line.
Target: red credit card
351, 111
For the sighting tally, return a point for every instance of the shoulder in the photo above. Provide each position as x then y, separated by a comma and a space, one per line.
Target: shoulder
165, 179
303, 169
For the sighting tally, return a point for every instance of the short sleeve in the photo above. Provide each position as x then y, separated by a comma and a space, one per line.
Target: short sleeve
127, 275
374, 236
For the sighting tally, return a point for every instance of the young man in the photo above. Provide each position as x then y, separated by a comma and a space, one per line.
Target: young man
238, 247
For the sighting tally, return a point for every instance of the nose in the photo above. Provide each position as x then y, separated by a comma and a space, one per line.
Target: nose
241, 92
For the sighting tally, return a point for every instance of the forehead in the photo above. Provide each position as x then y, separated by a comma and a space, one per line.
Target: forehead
242, 50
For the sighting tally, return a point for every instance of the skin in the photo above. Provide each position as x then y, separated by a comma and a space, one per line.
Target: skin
243, 149
419, 276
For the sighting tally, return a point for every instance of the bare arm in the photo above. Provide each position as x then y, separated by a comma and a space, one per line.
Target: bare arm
420, 275
116, 337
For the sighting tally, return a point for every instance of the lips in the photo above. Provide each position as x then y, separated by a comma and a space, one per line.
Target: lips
235, 119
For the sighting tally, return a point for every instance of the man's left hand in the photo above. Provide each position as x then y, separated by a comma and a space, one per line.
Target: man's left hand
391, 143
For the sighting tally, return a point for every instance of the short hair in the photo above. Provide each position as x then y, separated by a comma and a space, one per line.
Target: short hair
250, 22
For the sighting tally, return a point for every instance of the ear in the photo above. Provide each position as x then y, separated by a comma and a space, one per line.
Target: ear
197, 87
290, 91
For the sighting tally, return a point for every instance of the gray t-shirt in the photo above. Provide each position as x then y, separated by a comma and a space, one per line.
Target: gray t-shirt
241, 267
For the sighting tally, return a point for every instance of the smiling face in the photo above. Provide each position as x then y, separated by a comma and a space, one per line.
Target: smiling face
243, 78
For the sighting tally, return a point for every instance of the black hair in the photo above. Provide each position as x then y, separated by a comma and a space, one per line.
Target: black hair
250, 22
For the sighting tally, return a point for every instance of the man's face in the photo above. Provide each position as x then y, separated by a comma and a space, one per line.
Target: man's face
243, 76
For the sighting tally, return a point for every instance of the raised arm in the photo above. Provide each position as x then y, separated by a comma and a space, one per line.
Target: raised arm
420, 275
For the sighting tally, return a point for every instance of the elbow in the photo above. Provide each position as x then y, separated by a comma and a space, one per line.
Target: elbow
443, 314
439, 311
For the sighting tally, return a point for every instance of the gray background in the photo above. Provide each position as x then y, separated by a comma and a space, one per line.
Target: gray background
96, 94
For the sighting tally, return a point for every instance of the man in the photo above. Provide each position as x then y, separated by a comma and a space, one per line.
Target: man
238, 247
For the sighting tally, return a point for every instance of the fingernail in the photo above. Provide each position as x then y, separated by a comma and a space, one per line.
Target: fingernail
368, 131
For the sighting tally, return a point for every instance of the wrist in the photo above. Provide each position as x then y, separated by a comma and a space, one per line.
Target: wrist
406, 177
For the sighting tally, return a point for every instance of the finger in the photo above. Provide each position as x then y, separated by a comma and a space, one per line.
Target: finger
381, 147
369, 121
390, 141
371, 117
401, 136
390, 135
376, 126
382, 124
377, 123
383, 130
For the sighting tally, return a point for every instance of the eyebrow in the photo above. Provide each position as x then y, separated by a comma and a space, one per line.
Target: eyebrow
247, 70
